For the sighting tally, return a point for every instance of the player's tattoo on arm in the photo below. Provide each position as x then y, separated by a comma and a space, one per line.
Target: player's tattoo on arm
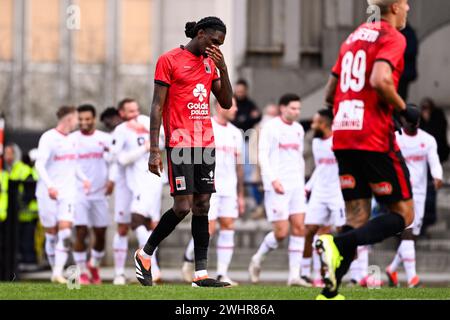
159, 98
357, 212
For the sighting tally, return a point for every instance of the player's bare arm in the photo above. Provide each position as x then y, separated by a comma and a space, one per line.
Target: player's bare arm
330, 90
221, 88
155, 165
381, 80
240, 187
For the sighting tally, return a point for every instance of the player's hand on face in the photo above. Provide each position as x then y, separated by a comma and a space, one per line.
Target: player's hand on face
53, 193
241, 205
109, 188
155, 165
437, 183
86, 186
278, 187
216, 55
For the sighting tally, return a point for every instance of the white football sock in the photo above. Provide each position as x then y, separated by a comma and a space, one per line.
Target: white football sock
225, 248
408, 253
269, 243
120, 247
306, 267
200, 274
61, 251
295, 248
363, 261
397, 260
80, 258
189, 253
96, 258
316, 262
142, 235
50, 243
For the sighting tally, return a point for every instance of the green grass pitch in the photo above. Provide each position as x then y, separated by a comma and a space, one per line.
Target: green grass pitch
47, 291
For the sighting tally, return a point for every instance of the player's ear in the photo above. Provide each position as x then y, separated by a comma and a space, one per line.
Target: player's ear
395, 7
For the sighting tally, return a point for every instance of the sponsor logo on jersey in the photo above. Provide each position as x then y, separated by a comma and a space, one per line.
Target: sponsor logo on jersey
381, 189
347, 181
199, 110
200, 92
180, 183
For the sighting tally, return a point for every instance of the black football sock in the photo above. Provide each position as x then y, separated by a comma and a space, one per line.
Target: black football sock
166, 225
374, 231
200, 234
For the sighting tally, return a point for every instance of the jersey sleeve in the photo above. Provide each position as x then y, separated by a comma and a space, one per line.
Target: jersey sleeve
392, 50
433, 160
163, 71
43, 154
266, 142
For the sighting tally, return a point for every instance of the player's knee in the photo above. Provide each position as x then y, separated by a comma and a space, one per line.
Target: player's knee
122, 230
182, 210
200, 208
281, 234
136, 221
81, 233
298, 230
227, 225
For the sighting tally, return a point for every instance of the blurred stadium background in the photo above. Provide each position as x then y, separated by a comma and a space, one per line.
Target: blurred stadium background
276, 45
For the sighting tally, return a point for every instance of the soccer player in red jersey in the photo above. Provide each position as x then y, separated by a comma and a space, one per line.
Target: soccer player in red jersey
184, 79
363, 92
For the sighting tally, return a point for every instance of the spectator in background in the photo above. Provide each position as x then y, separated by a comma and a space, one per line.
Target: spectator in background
434, 122
411, 52
248, 114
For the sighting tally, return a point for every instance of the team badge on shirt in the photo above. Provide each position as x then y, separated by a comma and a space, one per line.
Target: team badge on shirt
180, 182
207, 67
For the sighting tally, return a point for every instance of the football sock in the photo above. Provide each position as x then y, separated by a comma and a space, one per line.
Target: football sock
408, 254
189, 253
269, 243
373, 231
225, 247
96, 258
295, 249
306, 267
142, 235
50, 243
200, 234
396, 262
120, 247
166, 225
61, 251
80, 258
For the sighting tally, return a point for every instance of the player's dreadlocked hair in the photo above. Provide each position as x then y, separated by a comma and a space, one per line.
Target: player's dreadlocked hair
214, 23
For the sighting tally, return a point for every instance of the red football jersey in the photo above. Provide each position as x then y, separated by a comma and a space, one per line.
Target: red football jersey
363, 121
186, 114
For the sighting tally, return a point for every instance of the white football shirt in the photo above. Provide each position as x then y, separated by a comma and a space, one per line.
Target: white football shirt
281, 154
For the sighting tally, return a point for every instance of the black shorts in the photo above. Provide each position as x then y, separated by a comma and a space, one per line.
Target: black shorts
366, 173
191, 170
